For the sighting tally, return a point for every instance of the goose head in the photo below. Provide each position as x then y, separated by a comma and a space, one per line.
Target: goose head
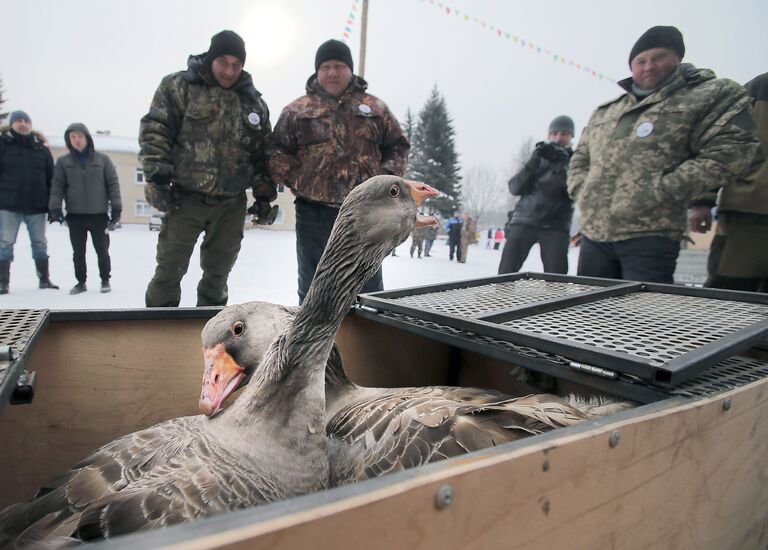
376, 216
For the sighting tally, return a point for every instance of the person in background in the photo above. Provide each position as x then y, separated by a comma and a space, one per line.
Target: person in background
468, 236
738, 257
417, 239
489, 238
453, 228
327, 142
544, 212
429, 238
87, 182
26, 169
202, 145
643, 158
498, 238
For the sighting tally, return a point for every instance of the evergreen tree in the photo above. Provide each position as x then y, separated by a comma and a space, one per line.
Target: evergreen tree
409, 127
433, 156
3, 114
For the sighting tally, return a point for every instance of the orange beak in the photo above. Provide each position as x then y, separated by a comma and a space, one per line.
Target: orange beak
421, 192
221, 377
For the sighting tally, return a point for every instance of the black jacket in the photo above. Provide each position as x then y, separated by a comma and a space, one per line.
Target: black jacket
26, 169
544, 200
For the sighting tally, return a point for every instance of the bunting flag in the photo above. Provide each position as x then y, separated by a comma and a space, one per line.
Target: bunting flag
351, 18
520, 41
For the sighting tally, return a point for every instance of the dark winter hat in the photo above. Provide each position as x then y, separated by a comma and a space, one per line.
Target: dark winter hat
333, 49
659, 37
226, 43
561, 123
18, 115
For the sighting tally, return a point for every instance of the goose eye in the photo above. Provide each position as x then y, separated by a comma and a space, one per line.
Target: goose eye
394, 191
238, 328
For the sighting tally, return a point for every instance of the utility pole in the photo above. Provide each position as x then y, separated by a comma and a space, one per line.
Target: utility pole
363, 32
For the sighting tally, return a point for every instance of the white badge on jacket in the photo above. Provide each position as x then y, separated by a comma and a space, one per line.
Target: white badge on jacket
254, 119
363, 108
644, 130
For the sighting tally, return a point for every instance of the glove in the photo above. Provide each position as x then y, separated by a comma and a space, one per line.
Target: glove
161, 196
550, 151
262, 213
114, 216
55, 215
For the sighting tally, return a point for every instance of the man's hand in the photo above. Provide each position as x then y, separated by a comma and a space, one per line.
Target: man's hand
161, 196
262, 213
114, 216
56, 215
550, 151
699, 219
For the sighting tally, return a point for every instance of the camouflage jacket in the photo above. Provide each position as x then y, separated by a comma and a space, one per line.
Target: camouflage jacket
640, 162
323, 146
741, 197
210, 140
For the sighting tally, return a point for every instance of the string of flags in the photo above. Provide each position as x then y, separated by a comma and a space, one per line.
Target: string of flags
554, 57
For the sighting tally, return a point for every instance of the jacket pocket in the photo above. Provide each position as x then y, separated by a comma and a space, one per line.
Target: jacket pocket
312, 130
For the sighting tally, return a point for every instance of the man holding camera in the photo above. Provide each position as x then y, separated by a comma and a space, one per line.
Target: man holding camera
543, 213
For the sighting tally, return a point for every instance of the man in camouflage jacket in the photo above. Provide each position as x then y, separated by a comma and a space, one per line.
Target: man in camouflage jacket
202, 146
327, 142
678, 132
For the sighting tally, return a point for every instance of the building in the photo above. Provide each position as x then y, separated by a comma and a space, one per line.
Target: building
124, 153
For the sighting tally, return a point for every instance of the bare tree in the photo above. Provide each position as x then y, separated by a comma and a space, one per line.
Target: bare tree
519, 159
482, 193
3, 114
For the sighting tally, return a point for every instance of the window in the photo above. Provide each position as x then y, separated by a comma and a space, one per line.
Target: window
139, 176
141, 208
280, 188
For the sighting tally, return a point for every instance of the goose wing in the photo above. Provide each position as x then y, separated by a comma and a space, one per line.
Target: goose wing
402, 428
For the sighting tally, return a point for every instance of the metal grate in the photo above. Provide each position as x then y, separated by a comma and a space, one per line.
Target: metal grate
726, 375
472, 301
18, 327
658, 327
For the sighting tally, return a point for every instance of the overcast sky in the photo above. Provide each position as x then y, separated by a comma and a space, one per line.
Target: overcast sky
100, 61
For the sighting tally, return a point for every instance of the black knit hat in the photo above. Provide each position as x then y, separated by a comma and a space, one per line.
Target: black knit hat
659, 37
226, 43
561, 123
333, 49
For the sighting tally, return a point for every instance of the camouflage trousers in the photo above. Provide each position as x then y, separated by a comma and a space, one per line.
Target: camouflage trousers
222, 225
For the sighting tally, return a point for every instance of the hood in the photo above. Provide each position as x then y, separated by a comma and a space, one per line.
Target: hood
356, 85
198, 71
79, 127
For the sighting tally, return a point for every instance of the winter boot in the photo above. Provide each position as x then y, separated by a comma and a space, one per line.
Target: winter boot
42, 274
5, 276
105, 286
78, 288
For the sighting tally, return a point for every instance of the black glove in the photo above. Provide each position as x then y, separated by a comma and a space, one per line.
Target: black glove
262, 212
114, 216
161, 196
55, 215
551, 151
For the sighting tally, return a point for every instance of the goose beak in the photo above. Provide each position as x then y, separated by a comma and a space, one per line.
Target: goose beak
222, 376
421, 192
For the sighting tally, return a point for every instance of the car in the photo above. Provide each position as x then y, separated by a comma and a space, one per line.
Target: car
156, 221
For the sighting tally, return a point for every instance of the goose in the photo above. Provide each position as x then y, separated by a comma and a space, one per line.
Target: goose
270, 444
373, 431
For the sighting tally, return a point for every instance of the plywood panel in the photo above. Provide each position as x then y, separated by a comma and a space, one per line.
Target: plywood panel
96, 381
694, 476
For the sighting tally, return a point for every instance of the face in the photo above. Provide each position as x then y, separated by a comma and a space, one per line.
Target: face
652, 67
22, 126
78, 140
226, 70
561, 138
334, 76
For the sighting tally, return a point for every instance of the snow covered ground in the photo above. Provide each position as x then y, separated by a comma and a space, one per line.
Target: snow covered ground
265, 270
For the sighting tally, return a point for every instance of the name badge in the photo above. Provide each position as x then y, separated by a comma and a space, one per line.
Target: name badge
644, 130
254, 119
363, 108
